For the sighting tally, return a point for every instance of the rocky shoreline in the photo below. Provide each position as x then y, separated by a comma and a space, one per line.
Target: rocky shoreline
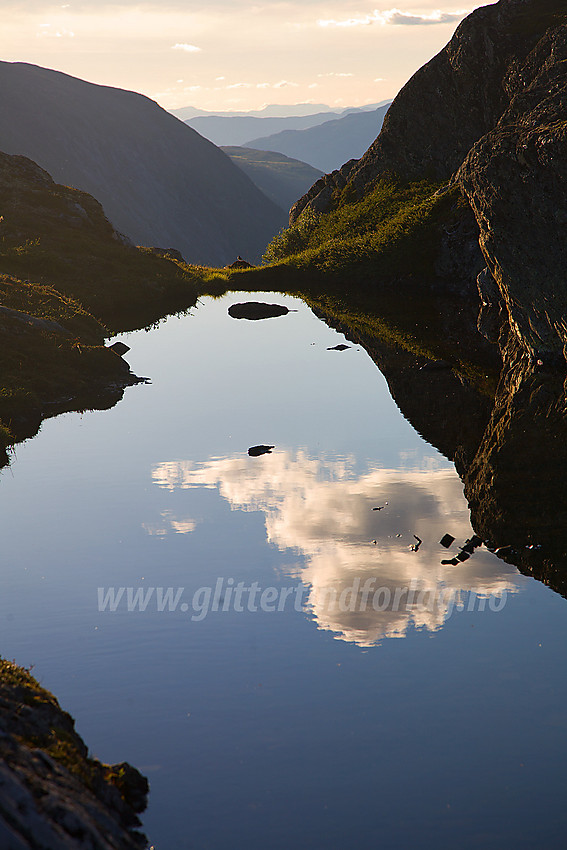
53, 796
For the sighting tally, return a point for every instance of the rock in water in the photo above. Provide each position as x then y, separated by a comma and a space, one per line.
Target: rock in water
119, 348
339, 347
256, 310
256, 451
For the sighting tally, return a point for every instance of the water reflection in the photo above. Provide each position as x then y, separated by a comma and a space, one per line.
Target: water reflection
326, 511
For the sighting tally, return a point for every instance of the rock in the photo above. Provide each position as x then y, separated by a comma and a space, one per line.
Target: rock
168, 253
516, 180
119, 348
256, 451
339, 347
256, 310
33, 321
449, 104
239, 263
52, 794
436, 365
447, 540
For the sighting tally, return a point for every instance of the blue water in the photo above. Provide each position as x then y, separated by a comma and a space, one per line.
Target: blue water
322, 724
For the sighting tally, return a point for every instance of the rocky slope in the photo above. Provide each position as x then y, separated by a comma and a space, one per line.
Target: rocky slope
53, 796
159, 182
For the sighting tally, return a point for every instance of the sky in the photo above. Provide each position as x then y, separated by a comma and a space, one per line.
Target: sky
233, 54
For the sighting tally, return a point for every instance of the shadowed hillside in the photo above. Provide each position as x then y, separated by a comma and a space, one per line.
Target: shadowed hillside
159, 182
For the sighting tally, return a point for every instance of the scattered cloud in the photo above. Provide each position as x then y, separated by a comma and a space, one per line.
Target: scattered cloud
396, 17
47, 32
281, 84
187, 48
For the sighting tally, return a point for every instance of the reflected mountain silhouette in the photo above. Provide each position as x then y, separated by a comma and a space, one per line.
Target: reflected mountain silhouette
507, 438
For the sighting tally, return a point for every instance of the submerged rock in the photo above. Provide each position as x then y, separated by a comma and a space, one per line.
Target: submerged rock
257, 310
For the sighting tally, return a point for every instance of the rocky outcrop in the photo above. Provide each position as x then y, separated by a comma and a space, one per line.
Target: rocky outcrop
490, 113
515, 178
321, 195
453, 100
52, 794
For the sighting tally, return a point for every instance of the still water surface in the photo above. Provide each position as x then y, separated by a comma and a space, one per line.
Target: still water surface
323, 724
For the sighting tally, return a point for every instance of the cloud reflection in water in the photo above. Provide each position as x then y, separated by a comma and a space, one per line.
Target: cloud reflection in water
323, 509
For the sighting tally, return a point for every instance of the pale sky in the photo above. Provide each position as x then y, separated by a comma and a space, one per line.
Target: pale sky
233, 54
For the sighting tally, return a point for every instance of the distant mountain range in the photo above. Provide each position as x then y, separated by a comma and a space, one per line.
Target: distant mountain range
330, 144
159, 182
239, 128
282, 179
273, 110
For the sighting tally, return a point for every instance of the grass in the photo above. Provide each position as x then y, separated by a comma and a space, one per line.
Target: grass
390, 232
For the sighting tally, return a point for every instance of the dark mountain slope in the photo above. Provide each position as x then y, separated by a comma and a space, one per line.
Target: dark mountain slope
158, 181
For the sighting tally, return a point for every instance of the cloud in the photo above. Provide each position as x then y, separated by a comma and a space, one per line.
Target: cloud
283, 84
335, 74
396, 17
188, 48
47, 32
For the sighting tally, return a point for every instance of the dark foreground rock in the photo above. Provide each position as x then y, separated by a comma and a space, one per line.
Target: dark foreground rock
53, 796
257, 310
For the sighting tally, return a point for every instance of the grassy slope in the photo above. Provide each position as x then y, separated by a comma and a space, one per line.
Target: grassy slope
389, 233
